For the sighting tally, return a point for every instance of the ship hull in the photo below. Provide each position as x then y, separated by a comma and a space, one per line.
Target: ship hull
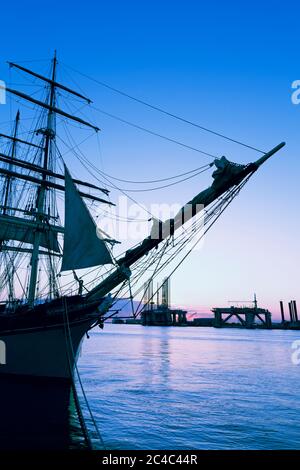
43, 352
45, 341
36, 370
36, 413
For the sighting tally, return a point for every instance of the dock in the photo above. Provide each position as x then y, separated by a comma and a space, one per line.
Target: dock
248, 317
255, 317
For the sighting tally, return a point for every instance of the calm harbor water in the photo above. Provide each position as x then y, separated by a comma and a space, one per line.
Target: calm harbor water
192, 388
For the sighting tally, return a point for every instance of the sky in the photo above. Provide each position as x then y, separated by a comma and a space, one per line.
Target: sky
228, 66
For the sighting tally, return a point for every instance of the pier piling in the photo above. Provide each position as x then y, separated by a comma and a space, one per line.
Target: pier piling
282, 311
291, 312
295, 310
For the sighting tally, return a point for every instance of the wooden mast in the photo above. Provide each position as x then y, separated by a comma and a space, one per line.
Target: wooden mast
49, 133
40, 227
12, 156
7, 192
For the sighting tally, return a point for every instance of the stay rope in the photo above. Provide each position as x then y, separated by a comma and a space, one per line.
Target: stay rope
164, 111
72, 360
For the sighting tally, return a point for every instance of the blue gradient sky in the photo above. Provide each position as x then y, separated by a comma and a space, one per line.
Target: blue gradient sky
228, 66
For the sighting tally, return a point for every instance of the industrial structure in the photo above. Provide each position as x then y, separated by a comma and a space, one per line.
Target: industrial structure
160, 313
253, 316
247, 317
293, 323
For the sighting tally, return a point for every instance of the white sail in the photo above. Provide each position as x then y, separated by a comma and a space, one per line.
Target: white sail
82, 247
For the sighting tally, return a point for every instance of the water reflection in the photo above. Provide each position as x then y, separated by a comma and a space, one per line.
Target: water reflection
193, 388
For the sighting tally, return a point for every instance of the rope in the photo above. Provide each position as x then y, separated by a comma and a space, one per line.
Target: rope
207, 167
75, 395
163, 111
156, 134
82, 159
69, 337
152, 277
216, 209
158, 180
229, 199
186, 237
131, 297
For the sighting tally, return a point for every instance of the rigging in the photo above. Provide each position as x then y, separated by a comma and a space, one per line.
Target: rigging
163, 111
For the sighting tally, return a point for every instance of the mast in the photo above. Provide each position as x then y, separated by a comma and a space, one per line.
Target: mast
41, 233
49, 133
5, 207
12, 156
38, 231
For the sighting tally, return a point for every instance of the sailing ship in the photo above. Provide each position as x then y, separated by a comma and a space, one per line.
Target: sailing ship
42, 336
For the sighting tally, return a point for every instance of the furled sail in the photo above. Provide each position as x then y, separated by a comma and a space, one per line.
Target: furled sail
82, 247
23, 230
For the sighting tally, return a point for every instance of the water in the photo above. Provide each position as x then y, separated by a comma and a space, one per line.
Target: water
192, 388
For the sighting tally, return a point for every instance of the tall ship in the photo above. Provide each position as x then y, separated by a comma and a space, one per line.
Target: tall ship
48, 234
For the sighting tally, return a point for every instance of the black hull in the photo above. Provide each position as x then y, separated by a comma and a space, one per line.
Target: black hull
38, 414
37, 404
45, 341
47, 314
